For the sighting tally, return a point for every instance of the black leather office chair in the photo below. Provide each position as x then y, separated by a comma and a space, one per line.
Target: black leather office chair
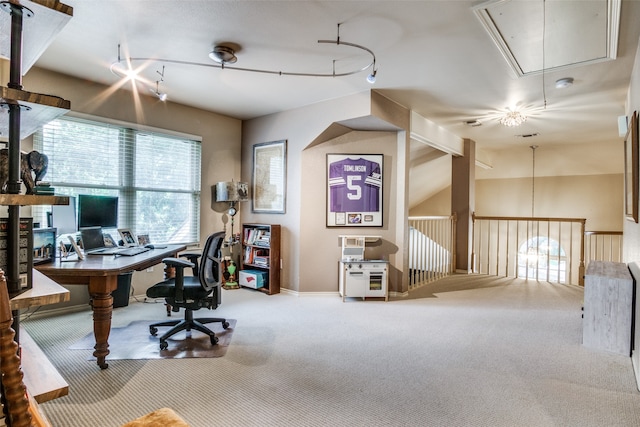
192, 292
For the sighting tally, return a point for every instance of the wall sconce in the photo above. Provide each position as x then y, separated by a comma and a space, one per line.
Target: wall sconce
232, 192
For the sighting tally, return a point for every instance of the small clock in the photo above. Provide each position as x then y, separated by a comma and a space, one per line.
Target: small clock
232, 211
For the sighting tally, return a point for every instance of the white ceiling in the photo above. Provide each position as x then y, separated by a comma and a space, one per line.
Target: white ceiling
434, 57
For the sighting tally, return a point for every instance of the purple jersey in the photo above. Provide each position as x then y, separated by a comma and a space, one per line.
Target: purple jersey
354, 186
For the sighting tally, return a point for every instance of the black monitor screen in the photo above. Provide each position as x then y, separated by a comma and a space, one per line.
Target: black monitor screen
97, 211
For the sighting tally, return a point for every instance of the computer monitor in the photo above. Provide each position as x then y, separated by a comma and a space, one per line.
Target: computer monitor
97, 211
63, 217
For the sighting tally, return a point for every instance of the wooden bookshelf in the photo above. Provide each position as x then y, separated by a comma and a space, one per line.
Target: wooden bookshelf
261, 251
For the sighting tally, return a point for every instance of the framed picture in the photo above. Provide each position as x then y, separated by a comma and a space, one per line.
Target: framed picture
108, 241
631, 170
127, 237
269, 177
143, 239
354, 190
44, 245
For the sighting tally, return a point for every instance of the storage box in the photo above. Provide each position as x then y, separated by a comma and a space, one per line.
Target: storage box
253, 278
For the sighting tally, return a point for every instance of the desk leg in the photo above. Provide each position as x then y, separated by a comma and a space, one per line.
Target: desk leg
100, 289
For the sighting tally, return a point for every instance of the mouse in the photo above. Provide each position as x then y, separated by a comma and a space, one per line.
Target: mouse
150, 246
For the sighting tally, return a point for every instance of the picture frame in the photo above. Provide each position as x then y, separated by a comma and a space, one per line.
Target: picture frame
143, 239
631, 162
269, 177
127, 236
44, 245
109, 242
354, 190
76, 248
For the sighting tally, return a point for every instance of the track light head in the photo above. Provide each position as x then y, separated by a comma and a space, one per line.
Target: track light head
371, 78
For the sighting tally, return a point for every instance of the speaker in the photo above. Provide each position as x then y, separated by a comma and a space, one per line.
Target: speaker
622, 125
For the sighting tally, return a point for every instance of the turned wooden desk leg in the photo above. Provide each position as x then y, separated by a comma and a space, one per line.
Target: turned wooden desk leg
100, 289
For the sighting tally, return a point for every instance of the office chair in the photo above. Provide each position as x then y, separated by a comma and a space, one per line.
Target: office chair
192, 292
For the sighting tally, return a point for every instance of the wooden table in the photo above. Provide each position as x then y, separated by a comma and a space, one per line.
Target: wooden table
100, 274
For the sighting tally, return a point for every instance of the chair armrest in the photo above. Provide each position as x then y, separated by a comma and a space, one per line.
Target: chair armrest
177, 262
179, 265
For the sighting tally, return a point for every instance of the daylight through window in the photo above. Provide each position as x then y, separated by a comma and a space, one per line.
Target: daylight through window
155, 176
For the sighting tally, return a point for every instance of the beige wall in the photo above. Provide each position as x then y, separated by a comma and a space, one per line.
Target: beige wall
221, 137
310, 250
437, 205
299, 128
631, 241
320, 245
598, 198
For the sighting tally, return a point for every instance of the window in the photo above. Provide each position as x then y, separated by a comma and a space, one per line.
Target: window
155, 176
542, 258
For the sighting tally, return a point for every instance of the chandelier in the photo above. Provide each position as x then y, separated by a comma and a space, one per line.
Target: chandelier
513, 118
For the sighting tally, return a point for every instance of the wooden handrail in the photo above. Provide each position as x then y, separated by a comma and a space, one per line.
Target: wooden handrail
609, 233
527, 218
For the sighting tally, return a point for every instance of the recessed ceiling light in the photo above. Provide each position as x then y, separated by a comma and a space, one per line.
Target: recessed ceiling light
473, 123
564, 82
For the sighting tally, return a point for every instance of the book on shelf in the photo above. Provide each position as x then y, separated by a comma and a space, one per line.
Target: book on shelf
254, 255
261, 260
257, 236
25, 251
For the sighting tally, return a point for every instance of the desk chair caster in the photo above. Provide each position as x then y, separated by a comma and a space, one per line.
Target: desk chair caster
153, 330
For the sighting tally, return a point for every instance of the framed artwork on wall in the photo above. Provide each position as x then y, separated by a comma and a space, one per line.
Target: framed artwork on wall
269, 177
631, 170
354, 190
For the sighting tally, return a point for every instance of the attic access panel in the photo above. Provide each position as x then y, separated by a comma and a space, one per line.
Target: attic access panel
575, 32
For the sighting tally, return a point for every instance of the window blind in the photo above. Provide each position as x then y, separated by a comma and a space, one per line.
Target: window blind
155, 176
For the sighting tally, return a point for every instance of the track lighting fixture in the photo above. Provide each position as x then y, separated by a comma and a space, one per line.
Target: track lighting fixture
224, 55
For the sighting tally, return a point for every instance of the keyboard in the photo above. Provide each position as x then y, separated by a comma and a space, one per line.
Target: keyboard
132, 251
104, 251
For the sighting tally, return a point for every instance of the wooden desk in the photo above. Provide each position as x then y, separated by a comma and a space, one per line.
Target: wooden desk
100, 274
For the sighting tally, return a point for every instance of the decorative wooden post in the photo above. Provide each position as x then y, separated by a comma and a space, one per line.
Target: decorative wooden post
15, 393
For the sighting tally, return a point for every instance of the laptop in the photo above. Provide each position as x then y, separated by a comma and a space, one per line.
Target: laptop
93, 242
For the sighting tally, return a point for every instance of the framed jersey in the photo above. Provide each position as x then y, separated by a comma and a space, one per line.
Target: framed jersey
354, 190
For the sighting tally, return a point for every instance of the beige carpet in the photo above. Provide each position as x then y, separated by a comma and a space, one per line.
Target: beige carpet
470, 351
134, 342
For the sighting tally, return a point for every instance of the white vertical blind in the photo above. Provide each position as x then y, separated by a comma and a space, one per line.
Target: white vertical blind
155, 176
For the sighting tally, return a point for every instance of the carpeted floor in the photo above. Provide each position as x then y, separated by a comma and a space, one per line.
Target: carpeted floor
133, 341
464, 351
